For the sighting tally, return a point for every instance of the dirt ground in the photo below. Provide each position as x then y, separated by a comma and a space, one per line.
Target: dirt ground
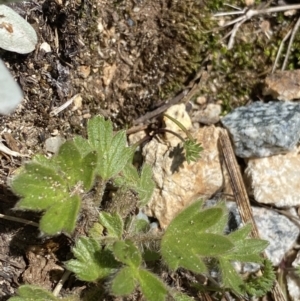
117, 58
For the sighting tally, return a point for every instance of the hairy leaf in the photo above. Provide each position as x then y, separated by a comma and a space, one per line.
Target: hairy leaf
55, 186
187, 242
143, 184
113, 223
92, 262
181, 297
33, 293
113, 154
124, 282
146, 185
152, 287
75, 167
127, 253
82, 145
230, 277
246, 249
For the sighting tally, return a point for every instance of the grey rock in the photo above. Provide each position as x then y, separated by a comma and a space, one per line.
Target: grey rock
278, 230
264, 129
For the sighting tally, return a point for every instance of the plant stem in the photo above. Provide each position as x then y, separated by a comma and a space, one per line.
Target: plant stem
180, 125
100, 188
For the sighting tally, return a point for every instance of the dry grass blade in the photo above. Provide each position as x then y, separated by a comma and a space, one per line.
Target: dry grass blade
241, 196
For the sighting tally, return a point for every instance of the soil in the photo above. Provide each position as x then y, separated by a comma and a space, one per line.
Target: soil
117, 59
111, 56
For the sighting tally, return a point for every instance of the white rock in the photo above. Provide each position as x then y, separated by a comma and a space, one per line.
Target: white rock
275, 180
53, 144
179, 184
278, 230
210, 115
45, 47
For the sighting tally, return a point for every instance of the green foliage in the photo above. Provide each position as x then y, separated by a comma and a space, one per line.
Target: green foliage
192, 150
195, 235
191, 146
143, 184
113, 224
132, 274
55, 186
92, 261
34, 293
120, 250
260, 285
111, 149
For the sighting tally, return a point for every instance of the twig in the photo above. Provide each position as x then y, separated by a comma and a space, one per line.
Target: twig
280, 49
248, 14
290, 43
241, 197
61, 282
19, 220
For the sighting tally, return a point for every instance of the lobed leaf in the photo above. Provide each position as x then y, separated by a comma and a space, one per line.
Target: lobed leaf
40, 186
230, 278
146, 185
55, 186
186, 241
143, 184
75, 167
124, 282
33, 293
92, 262
53, 221
152, 287
127, 253
113, 223
113, 154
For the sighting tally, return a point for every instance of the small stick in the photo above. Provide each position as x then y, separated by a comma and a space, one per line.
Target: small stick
241, 197
61, 282
280, 50
295, 29
19, 220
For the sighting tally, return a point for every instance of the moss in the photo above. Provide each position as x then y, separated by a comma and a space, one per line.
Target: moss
171, 40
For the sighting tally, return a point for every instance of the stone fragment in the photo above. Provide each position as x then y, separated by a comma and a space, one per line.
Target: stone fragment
278, 230
275, 180
179, 113
210, 115
53, 144
283, 85
178, 183
264, 129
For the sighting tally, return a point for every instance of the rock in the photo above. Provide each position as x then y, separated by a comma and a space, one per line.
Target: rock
179, 113
264, 129
283, 85
179, 184
53, 144
210, 115
275, 180
278, 230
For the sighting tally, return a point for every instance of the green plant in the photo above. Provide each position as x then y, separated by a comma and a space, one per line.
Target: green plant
119, 248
